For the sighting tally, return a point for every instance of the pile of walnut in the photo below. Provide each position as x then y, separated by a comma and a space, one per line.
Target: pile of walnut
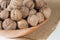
20, 14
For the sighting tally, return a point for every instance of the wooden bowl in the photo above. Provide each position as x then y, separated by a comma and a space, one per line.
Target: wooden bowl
21, 32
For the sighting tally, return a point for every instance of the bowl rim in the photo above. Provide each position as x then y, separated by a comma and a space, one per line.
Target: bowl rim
20, 33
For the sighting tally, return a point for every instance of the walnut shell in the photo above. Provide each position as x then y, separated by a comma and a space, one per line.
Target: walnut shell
22, 24
15, 4
25, 12
40, 3
46, 11
10, 7
0, 25
32, 12
3, 5
8, 2
9, 24
29, 4
4, 14
33, 20
40, 16
16, 15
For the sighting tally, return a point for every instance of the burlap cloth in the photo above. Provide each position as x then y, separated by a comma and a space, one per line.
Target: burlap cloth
45, 30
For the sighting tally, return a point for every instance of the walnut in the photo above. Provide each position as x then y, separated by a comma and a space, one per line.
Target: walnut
8, 2
4, 3
15, 4
4, 14
9, 24
29, 4
22, 24
16, 15
32, 12
0, 25
40, 3
21, 14
40, 16
25, 12
10, 7
46, 11
33, 20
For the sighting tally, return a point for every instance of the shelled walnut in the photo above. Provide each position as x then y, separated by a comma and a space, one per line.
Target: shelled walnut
33, 20
40, 16
46, 11
4, 14
9, 24
0, 25
16, 15
25, 11
22, 24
